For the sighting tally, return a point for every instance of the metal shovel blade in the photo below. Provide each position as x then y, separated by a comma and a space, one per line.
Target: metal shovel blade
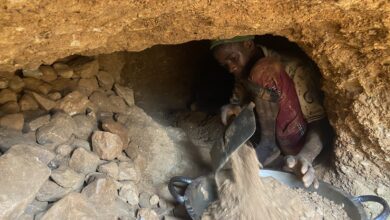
237, 134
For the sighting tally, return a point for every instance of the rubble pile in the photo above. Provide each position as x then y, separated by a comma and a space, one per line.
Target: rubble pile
67, 146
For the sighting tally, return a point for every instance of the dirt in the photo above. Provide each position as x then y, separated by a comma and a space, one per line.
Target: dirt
244, 195
317, 207
325, 209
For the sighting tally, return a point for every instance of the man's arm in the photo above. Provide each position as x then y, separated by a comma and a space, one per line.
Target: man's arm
314, 140
302, 163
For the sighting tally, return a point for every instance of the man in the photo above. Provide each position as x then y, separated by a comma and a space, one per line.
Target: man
288, 111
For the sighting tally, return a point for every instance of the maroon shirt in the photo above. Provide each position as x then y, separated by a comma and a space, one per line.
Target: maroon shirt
268, 73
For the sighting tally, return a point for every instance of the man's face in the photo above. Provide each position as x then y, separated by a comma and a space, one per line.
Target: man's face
234, 56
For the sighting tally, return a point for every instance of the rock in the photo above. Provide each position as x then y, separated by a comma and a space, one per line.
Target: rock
67, 178
48, 73
81, 143
127, 171
83, 161
154, 199
28, 103
107, 145
12, 121
33, 150
16, 84
21, 178
26, 216
111, 169
39, 216
32, 84
58, 130
51, 192
7, 95
118, 104
6, 75
162, 204
54, 96
64, 150
126, 93
33, 114
106, 81
64, 85
4, 83
85, 125
105, 116
73, 206
74, 103
43, 102
129, 193
10, 108
90, 177
147, 214
9, 137
121, 118
87, 70
117, 128
144, 200
102, 193
37, 74
38, 122
88, 86
102, 189
124, 158
63, 70
168, 217
112, 63
36, 207
123, 210
101, 101
44, 88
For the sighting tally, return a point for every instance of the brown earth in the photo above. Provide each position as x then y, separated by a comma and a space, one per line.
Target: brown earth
348, 39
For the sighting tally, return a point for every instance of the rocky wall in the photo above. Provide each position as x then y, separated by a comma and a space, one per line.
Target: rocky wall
348, 39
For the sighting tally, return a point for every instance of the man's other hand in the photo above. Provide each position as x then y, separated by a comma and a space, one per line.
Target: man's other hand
303, 169
227, 111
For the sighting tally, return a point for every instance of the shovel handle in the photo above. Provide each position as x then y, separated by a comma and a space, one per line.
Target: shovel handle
370, 198
182, 181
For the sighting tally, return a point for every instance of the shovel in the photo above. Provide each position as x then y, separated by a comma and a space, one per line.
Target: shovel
202, 191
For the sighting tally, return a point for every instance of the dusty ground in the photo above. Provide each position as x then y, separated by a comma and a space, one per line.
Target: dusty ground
349, 40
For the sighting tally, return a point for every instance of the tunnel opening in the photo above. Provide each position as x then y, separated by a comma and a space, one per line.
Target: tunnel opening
183, 78
154, 102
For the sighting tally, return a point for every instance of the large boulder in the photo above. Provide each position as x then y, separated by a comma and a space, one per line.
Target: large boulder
67, 177
73, 206
84, 161
57, 131
12, 121
126, 93
85, 125
9, 138
106, 145
51, 192
73, 103
33, 150
22, 175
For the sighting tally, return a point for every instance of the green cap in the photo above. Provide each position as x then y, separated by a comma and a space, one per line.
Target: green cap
235, 39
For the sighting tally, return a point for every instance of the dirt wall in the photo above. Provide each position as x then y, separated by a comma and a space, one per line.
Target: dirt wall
349, 40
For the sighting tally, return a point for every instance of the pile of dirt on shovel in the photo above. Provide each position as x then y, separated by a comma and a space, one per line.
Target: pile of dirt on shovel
243, 195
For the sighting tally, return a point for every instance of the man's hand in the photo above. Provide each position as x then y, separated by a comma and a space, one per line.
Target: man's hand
227, 111
302, 168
